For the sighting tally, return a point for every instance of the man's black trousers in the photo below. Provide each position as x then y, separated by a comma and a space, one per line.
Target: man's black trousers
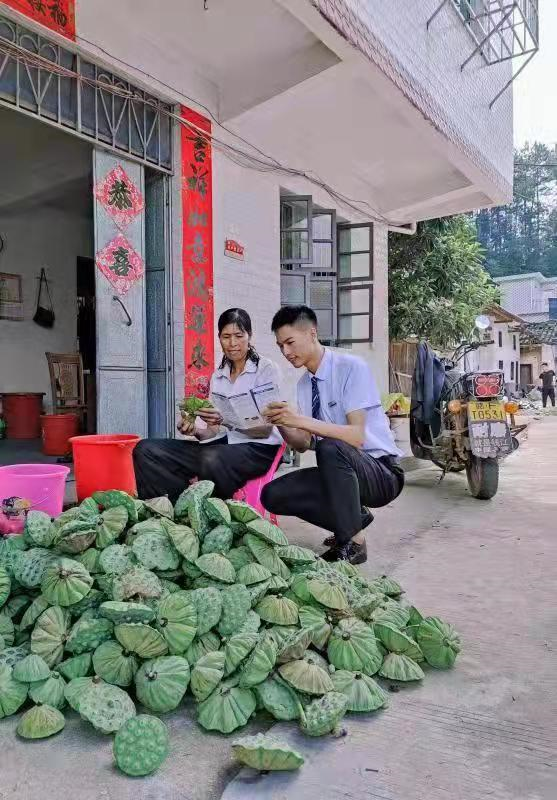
331, 494
549, 392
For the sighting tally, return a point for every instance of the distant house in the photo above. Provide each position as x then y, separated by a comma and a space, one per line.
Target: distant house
538, 343
531, 296
503, 353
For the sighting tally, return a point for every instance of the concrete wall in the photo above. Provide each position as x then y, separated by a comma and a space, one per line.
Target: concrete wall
528, 296
37, 238
535, 356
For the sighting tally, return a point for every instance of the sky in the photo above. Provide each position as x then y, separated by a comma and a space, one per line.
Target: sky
535, 102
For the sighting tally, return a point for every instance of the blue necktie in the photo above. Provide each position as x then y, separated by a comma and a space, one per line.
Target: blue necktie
315, 399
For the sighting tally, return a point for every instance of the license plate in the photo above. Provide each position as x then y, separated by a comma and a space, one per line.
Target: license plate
486, 412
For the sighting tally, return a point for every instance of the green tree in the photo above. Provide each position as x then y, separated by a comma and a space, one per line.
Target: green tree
437, 283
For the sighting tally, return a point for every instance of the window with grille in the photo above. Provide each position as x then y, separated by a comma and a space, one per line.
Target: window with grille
355, 283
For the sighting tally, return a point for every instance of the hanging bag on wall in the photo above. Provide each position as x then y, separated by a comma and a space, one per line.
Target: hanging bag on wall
44, 316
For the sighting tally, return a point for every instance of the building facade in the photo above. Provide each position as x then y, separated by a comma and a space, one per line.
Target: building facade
531, 296
266, 149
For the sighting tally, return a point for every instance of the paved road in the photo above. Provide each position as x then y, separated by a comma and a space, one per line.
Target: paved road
479, 732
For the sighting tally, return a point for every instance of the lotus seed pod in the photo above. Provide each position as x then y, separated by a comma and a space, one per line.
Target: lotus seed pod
184, 540
219, 540
13, 694
216, 566
240, 557
116, 559
236, 604
242, 512
264, 553
252, 573
50, 635
49, 692
237, 648
217, 511
177, 621
7, 629
207, 674
201, 646
66, 582
141, 639
266, 753
279, 699
270, 533
75, 690
160, 684
31, 669
30, 566
439, 642
141, 745
160, 507
87, 634
208, 604
75, 667
260, 662
362, 692
322, 715
40, 722
226, 709
401, 668
200, 489
155, 551
39, 528
352, 646
10, 656
119, 612
114, 664
115, 498
106, 707
138, 583
397, 642
5, 585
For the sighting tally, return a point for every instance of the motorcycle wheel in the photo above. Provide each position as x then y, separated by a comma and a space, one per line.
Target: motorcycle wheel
483, 477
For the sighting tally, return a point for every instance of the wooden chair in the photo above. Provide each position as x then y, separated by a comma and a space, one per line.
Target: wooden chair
67, 384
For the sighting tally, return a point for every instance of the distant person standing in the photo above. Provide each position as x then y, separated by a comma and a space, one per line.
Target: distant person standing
547, 378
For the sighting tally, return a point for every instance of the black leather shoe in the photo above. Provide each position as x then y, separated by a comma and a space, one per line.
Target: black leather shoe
352, 552
367, 519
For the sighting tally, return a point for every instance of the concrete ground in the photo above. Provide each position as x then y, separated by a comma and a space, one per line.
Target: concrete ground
479, 732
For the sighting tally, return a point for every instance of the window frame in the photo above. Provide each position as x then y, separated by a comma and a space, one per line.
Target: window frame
500, 338
352, 284
309, 200
348, 287
361, 278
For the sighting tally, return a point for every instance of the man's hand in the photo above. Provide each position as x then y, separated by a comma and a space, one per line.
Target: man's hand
281, 414
186, 427
210, 416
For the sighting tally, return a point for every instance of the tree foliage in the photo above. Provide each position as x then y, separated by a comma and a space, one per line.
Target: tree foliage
522, 237
437, 283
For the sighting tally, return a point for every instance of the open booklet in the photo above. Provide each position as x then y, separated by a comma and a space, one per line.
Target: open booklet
243, 411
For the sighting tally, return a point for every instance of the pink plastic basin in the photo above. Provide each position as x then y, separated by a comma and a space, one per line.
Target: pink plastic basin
39, 486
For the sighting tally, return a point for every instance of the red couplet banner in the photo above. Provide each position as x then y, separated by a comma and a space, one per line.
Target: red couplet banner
58, 15
197, 253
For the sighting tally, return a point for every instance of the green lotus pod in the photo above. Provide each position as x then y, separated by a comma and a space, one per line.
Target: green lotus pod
114, 498
10, 546
105, 706
49, 692
217, 511
252, 623
265, 530
266, 555
258, 591
184, 540
75, 690
160, 684
362, 692
398, 667
141, 745
177, 621
138, 583
149, 525
13, 694
293, 554
9, 656
88, 509
141, 639
204, 582
198, 518
31, 669
21, 638
89, 604
40, 722
252, 573
236, 603
190, 570
105, 583
2, 643
307, 675
78, 541
17, 605
5, 585
266, 753
237, 648
240, 557
87, 634
327, 595
279, 699
90, 559
391, 613
119, 612
294, 647
29, 566
299, 586
439, 641
276, 585
397, 642
39, 528
352, 646
7, 630
323, 715
75, 667
242, 512
207, 674
116, 559
318, 623
75, 526
208, 604
387, 585
114, 664
140, 509
278, 610
50, 634
201, 489
363, 604
201, 646
414, 621
280, 634
66, 582
219, 540
155, 551
170, 586
226, 709
259, 663
217, 567
68, 515
160, 507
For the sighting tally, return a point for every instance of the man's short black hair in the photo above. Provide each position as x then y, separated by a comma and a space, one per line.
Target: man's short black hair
290, 315
544, 363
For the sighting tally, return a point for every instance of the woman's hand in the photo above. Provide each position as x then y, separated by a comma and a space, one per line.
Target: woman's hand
186, 427
210, 416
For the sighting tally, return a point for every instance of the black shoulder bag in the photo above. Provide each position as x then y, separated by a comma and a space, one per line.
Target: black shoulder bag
44, 316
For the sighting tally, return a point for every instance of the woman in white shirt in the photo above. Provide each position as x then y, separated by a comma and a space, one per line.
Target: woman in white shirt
229, 457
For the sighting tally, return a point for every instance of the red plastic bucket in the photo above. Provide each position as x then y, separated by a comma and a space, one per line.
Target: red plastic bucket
26, 487
103, 462
22, 413
57, 430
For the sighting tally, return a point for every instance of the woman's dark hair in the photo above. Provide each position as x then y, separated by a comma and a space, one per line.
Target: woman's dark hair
241, 318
